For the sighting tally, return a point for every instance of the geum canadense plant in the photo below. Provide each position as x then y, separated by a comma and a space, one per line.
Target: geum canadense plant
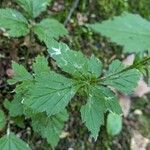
44, 94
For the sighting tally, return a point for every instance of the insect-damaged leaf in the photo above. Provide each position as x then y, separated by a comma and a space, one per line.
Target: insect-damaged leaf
74, 62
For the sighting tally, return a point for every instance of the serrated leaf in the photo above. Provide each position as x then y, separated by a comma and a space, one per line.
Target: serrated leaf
114, 124
129, 30
33, 7
27, 6
74, 62
50, 127
51, 93
48, 29
16, 107
124, 81
92, 115
40, 65
12, 142
14, 22
20, 74
100, 101
2, 119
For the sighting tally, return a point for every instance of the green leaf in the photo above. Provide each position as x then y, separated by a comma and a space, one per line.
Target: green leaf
74, 62
14, 22
50, 127
100, 101
12, 142
121, 79
2, 119
114, 124
40, 65
48, 29
16, 107
33, 7
92, 115
27, 6
20, 74
129, 30
51, 93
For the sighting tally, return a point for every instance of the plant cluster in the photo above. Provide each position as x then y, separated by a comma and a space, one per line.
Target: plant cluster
43, 94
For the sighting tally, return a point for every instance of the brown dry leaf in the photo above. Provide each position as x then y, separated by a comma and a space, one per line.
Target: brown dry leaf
125, 103
138, 142
129, 60
142, 88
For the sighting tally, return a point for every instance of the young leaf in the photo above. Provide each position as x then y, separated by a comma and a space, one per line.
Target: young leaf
33, 7
50, 127
123, 80
12, 142
49, 29
74, 62
51, 93
14, 22
20, 74
2, 119
129, 30
100, 100
114, 124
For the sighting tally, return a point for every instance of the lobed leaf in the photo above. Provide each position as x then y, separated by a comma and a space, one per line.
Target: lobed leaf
121, 79
74, 62
14, 22
51, 93
100, 101
129, 30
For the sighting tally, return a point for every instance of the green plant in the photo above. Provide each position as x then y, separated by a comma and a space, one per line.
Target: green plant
44, 94
17, 24
130, 31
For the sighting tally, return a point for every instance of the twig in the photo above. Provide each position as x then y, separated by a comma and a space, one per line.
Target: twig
74, 5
